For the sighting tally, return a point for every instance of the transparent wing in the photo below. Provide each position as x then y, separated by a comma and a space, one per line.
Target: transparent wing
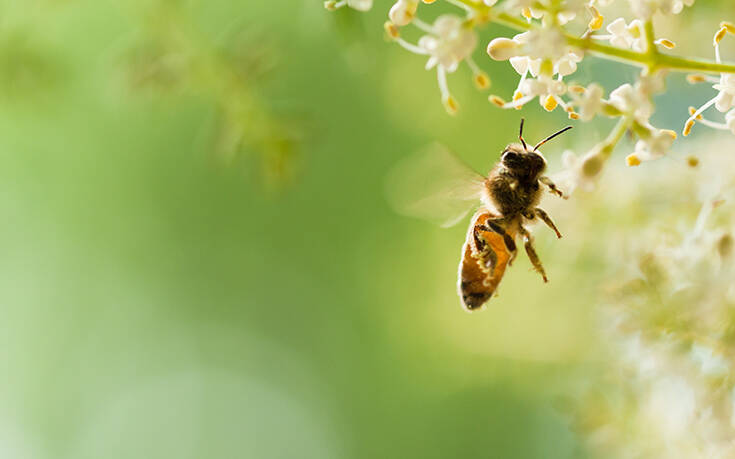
434, 185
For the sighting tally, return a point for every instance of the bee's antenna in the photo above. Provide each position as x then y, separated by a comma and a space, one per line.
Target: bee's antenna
520, 135
551, 136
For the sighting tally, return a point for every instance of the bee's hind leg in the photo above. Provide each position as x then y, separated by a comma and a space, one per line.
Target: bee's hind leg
541, 213
531, 252
510, 243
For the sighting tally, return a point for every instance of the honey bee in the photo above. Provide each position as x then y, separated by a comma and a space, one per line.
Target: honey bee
438, 186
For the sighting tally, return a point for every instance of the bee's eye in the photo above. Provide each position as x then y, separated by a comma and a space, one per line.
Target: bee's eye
510, 157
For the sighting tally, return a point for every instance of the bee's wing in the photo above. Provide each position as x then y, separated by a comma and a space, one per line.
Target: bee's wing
434, 185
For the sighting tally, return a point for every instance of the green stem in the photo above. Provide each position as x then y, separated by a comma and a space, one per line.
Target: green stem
651, 59
614, 137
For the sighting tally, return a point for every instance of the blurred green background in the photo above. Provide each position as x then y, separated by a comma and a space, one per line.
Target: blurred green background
164, 296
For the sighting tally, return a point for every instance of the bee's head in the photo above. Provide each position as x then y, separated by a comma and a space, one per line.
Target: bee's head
523, 161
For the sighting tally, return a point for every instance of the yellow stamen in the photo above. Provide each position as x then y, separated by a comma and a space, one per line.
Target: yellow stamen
577, 88
696, 78
482, 81
516, 96
526, 12
633, 160
330, 5
550, 103
719, 35
573, 115
692, 161
451, 105
597, 19
666, 43
692, 111
688, 127
729, 26
669, 132
496, 100
391, 29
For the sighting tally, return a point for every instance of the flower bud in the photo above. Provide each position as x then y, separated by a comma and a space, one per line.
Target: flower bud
502, 49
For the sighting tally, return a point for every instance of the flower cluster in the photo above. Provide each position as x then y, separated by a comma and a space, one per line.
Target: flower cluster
554, 37
667, 389
724, 101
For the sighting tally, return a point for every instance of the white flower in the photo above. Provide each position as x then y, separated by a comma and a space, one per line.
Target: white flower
726, 98
680, 4
588, 103
655, 146
644, 9
546, 88
449, 43
627, 36
493, 2
575, 174
528, 49
403, 12
360, 5
730, 120
631, 102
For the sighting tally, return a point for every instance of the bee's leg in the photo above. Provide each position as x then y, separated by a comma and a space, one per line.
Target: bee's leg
541, 213
547, 181
509, 242
532, 255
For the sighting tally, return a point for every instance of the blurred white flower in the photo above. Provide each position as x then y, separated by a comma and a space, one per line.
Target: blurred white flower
631, 102
725, 98
449, 42
627, 36
645, 9
730, 120
545, 88
360, 5
655, 146
589, 102
403, 12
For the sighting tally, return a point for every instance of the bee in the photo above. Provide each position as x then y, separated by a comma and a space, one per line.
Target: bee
438, 186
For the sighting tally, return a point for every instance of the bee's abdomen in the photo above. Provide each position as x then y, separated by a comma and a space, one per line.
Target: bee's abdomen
483, 264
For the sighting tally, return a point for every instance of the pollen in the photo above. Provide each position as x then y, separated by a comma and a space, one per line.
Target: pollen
429, 2
517, 96
696, 78
719, 35
526, 12
577, 88
597, 19
451, 105
550, 103
482, 81
688, 127
573, 115
391, 29
496, 100
692, 161
670, 133
666, 43
729, 26
692, 111
632, 160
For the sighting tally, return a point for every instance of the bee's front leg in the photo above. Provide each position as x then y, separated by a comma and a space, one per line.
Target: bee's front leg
531, 252
541, 213
552, 187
